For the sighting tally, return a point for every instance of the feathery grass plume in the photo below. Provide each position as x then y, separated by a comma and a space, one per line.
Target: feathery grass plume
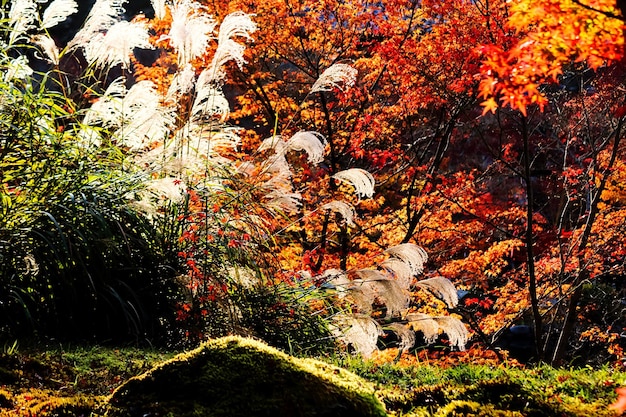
395, 297
336, 279
235, 24
107, 110
167, 188
274, 142
17, 69
191, 30
136, 113
209, 100
404, 333
442, 288
159, 8
338, 76
48, 48
88, 137
424, 323
22, 17
455, 330
210, 142
117, 44
57, 12
362, 181
182, 83
345, 210
413, 255
361, 332
313, 143
283, 201
399, 270
103, 15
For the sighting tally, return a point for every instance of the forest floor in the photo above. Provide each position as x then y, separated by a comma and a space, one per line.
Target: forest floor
33, 381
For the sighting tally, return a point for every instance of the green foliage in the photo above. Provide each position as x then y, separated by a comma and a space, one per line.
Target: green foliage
480, 390
87, 267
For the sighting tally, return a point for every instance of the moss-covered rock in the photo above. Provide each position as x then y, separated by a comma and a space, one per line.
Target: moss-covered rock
240, 377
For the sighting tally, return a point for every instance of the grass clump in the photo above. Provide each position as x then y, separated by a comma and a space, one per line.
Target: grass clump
485, 390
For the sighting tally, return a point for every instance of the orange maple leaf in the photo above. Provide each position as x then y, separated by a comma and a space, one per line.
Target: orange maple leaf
489, 105
620, 404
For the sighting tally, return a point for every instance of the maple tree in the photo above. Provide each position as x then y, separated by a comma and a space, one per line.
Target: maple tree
410, 122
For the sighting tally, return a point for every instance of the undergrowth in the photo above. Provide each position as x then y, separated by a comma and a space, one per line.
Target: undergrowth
65, 380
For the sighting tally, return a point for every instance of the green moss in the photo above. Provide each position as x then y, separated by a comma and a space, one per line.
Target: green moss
471, 408
240, 377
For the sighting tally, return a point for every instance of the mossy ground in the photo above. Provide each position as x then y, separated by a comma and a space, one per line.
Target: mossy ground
81, 380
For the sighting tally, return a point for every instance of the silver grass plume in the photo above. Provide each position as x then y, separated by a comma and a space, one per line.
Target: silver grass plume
424, 323
274, 142
103, 15
237, 24
442, 288
57, 12
182, 83
280, 171
362, 181
455, 330
345, 210
48, 47
337, 279
117, 44
159, 8
432, 327
107, 109
336, 76
360, 331
191, 30
395, 297
21, 18
404, 333
411, 254
276, 163
399, 270
313, 143
283, 201
136, 113
209, 100
17, 69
